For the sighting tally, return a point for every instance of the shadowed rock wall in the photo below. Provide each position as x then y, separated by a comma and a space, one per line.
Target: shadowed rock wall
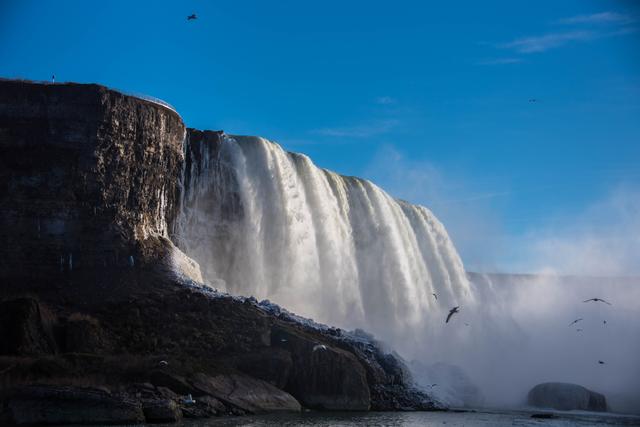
73, 197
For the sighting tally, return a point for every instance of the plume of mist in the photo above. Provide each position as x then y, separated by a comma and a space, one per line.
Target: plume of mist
518, 333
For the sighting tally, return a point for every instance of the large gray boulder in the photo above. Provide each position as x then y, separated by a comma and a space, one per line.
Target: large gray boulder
566, 397
249, 394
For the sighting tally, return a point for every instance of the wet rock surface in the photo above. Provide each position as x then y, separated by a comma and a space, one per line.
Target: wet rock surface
89, 181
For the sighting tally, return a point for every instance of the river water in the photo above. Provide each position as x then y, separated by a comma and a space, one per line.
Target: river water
410, 419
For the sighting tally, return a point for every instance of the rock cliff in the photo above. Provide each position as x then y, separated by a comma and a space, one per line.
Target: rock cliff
99, 309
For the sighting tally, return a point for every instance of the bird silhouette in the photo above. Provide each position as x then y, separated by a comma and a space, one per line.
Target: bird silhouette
533, 100
579, 330
600, 362
604, 322
192, 17
597, 300
435, 296
453, 311
575, 321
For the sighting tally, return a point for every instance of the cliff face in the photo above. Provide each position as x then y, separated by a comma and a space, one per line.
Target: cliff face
90, 183
88, 179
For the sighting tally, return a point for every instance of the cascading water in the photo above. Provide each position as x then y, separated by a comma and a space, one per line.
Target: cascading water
265, 222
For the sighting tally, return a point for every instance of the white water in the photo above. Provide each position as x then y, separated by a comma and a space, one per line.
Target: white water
265, 222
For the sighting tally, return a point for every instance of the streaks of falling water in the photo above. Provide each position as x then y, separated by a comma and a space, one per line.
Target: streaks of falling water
338, 249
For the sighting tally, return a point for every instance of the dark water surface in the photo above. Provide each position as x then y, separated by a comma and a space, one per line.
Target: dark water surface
410, 419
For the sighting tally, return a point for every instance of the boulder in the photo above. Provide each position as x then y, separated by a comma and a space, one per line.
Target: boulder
249, 394
566, 397
323, 376
44, 405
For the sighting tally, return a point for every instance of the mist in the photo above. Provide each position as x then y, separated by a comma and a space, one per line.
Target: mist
517, 333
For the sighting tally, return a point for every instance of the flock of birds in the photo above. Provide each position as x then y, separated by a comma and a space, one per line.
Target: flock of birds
604, 322
456, 309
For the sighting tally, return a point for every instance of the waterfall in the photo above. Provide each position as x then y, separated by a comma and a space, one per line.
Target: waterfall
265, 222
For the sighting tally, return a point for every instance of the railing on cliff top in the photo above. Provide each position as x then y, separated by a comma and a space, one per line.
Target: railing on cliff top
139, 95
148, 98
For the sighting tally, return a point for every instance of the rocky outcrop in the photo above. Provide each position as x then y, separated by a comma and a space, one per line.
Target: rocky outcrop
97, 302
249, 394
566, 397
323, 376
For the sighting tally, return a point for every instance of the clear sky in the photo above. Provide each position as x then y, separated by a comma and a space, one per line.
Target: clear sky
431, 100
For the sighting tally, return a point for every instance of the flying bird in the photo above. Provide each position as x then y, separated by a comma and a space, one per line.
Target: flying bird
604, 322
319, 347
435, 296
597, 300
575, 321
579, 330
453, 311
601, 362
192, 17
533, 100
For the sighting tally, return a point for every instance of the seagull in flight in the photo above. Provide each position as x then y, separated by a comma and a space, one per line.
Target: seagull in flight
453, 311
533, 100
600, 362
319, 347
435, 296
575, 321
597, 300
192, 17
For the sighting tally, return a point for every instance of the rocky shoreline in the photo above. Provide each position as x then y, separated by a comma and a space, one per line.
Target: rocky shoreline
104, 320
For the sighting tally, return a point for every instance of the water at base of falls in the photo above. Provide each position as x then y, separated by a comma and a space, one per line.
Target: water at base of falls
265, 222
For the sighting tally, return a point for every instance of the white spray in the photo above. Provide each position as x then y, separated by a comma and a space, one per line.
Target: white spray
265, 222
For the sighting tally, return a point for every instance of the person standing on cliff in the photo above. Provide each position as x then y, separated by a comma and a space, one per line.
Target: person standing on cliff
53, 78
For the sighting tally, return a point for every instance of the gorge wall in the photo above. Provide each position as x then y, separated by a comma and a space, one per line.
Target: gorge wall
88, 181
99, 309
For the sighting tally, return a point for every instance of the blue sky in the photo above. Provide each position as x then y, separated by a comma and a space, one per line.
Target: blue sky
429, 100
